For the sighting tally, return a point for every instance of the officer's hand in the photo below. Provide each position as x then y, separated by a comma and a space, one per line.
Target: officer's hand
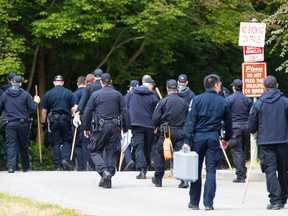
76, 120
44, 126
224, 144
37, 99
87, 134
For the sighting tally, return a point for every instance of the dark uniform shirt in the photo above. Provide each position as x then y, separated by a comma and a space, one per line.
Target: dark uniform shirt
207, 112
107, 104
87, 92
15, 103
172, 109
240, 106
187, 94
59, 100
269, 116
78, 94
141, 103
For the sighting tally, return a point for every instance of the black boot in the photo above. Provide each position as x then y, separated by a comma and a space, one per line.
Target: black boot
183, 184
108, 184
142, 174
157, 182
106, 176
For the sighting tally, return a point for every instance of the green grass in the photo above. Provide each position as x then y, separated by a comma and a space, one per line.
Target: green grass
16, 206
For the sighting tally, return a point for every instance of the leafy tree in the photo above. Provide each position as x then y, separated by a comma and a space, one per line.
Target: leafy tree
278, 27
12, 47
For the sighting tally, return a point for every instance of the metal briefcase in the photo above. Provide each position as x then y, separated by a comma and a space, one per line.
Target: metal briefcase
185, 165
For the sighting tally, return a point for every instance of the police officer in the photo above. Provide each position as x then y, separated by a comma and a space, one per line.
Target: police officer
269, 118
102, 122
56, 111
128, 156
202, 130
240, 106
141, 105
81, 143
184, 90
171, 112
14, 106
2, 90
96, 85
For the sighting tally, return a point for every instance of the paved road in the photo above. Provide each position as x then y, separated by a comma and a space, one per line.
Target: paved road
79, 190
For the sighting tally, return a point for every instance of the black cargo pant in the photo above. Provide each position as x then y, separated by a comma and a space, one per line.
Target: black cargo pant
177, 140
240, 139
108, 140
17, 133
274, 163
142, 142
61, 139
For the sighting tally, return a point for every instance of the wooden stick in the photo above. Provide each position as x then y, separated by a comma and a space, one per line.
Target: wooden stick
248, 174
73, 143
122, 154
225, 155
38, 126
121, 160
158, 92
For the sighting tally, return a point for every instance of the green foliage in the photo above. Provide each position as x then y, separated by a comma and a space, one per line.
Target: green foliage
47, 157
278, 27
11, 47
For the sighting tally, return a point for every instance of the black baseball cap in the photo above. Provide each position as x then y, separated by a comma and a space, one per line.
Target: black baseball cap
106, 77
58, 78
98, 72
270, 82
149, 80
134, 83
11, 75
182, 78
237, 83
16, 79
171, 84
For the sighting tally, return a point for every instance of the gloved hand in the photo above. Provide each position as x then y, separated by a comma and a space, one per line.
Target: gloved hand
37, 99
76, 120
44, 126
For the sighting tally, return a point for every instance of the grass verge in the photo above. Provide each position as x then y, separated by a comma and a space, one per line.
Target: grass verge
12, 206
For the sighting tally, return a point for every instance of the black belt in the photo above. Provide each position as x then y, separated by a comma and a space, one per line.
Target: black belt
14, 120
109, 121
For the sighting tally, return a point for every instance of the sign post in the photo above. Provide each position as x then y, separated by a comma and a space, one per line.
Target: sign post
252, 38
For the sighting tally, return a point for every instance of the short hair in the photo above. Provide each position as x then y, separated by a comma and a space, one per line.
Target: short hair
89, 78
145, 77
81, 80
211, 80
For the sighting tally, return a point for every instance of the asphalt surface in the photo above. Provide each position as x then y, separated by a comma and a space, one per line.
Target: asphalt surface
130, 196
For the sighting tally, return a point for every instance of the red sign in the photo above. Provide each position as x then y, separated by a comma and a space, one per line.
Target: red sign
253, 54
253, 75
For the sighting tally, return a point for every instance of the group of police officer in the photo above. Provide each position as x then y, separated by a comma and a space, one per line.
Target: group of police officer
101, 113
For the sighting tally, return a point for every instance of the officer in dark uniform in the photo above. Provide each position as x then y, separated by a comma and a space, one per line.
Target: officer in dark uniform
81, 143
240, 106
57, 106
14, 106
141, 105
184, 90
171, 111
2, 90
96, 85
269, 118
128, 156
202, 131
103, 118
